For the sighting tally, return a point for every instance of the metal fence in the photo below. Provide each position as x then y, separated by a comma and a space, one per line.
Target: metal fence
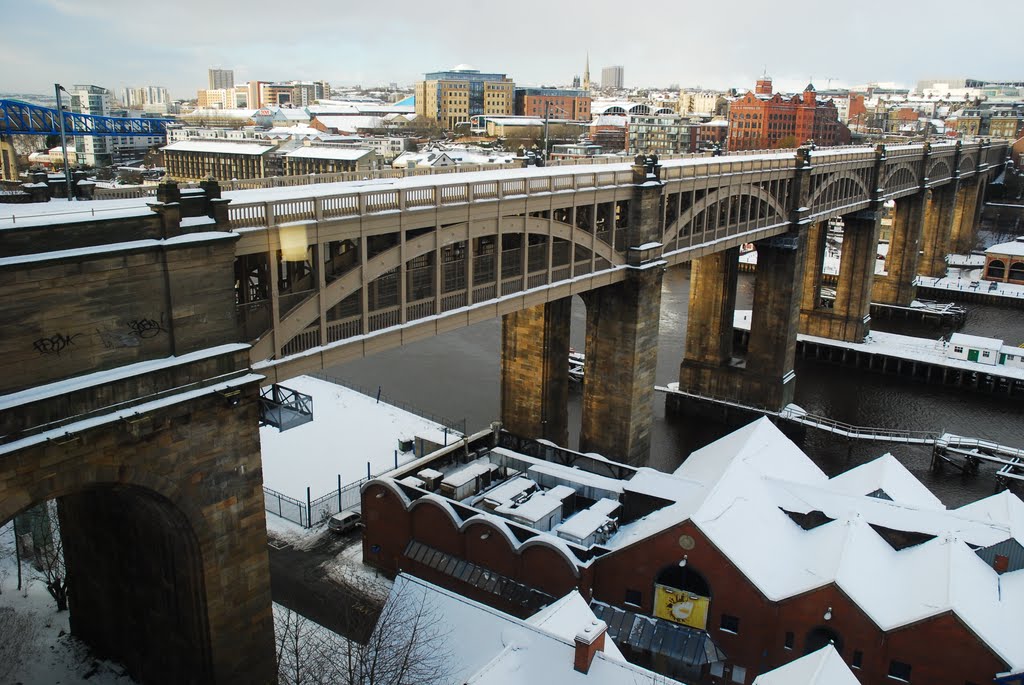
314, 511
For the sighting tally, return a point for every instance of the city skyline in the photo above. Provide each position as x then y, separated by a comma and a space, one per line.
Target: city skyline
364, 47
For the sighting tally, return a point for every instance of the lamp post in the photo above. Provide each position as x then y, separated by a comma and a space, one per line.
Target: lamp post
57, 88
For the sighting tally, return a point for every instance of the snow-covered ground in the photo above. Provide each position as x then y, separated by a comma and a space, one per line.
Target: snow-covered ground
349, 430
46, 653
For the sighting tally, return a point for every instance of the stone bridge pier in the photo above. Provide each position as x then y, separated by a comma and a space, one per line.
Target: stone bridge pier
621, 345
126, 397
896, 286
850, 316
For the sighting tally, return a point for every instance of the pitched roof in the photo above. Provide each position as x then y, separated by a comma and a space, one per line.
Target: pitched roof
823, 667
488, 647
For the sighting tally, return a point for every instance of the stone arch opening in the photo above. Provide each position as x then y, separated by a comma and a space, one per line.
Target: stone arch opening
820, 636
997, 269
135, 582
1016, 271
684, 578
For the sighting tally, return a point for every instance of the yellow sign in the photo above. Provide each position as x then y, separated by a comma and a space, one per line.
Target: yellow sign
680, 606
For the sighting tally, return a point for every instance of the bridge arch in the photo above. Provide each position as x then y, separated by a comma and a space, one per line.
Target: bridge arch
968, 162
832, 181
940, 169
135, 572
716, 197
305, 313
900, 177
161, 515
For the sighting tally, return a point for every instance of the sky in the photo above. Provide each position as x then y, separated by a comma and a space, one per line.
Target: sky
117, 43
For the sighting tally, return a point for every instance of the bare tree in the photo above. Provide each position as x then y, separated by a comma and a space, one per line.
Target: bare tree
48, 548
406, 647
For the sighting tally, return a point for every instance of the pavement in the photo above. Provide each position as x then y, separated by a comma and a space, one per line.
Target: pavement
299, 581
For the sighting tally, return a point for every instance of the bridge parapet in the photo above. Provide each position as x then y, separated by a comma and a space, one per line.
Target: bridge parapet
89, 294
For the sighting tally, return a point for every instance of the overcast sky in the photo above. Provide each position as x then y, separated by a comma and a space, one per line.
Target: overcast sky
115, 43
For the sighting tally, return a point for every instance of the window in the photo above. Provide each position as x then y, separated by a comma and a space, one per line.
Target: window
858, 658
789, 640
899, 671
958, 349
633, 597
739, 674
985, 353
730, 624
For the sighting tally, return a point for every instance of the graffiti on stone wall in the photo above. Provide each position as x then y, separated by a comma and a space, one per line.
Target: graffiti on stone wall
147, 328
55, 344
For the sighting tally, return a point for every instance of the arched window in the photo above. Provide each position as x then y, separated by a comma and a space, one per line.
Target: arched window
1017, 271
996, 269
821, 636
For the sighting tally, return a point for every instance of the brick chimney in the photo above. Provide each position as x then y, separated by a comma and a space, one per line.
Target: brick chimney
1000, 563
589, 641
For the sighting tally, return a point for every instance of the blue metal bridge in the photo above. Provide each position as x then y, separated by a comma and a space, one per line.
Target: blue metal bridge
22, 118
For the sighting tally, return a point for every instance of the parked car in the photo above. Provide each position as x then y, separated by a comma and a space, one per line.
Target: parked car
345, 521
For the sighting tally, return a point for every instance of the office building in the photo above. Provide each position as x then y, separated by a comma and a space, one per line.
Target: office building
612, 78
451, 97
221, 78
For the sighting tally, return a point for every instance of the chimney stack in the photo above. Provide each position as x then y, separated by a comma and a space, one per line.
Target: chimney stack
1000, 563
589, 641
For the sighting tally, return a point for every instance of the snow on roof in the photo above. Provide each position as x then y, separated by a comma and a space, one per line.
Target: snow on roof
585, 523
538, 506
890, 476
220, 147
823, 667
566, 616
569, 474
516, 121
289, 113
340, 153
214, 113
610, 120
964, 340
348, 122
666, 486
760, 446
1003, 509
467, 473
1014, 248
755, 475
309, 455
485, 646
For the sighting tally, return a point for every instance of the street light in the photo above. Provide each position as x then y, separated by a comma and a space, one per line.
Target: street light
57, 88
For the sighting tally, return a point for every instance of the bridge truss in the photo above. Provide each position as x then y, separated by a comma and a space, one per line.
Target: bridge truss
22, 118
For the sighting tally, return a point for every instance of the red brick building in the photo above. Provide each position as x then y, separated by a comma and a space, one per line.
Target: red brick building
763, 120
561, 103
744, 559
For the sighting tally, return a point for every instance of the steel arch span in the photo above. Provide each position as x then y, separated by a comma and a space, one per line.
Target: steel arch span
22, 118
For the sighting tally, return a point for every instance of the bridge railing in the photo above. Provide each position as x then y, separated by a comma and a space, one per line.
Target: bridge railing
360, 201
